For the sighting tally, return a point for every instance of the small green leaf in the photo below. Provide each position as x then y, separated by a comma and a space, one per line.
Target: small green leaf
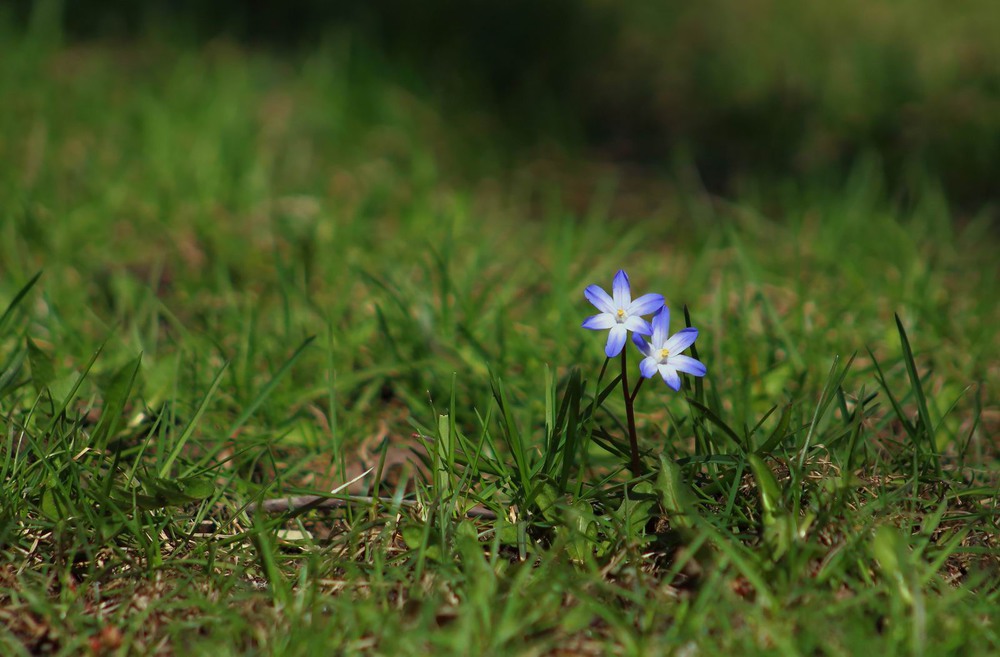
580, 532
636, 510
55, 506
547, 498
673, 494
416, 538
506, 531
767, 485
180, 491
412, 535
159, 493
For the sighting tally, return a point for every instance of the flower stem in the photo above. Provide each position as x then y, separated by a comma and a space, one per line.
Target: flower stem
630, 417
635, 391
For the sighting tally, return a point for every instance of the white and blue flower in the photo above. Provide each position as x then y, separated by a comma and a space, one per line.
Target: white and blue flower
620, 313
663, 353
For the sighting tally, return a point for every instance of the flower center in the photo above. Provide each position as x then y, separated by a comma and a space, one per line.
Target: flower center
621, 315
664, 354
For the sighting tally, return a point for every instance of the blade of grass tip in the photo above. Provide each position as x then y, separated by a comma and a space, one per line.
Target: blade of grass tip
591, 410
762, 420
751, 432
733, 490
699, 384
977, 416
833, 382
574, 394
728, 431
383, 327
513, 435
482, 454
859, 421
269, 386
572, 380
842, 405
383, 452
918, 389
71, 395
551, 432
611, 387
702, 444
608, 443
23, 292
189, 429
911, 431
779, 434
485, 440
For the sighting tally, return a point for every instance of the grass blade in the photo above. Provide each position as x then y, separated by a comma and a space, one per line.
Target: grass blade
918, 390
16, 301
269, 387
189, 429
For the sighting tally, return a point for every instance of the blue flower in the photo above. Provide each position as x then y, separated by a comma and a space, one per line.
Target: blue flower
620, 313
663, 354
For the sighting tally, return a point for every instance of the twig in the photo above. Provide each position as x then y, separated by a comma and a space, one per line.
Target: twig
301, 503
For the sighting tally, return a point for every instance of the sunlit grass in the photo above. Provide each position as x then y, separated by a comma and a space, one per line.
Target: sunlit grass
253, 268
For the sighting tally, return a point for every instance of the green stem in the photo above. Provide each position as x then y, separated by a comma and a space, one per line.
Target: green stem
630, 417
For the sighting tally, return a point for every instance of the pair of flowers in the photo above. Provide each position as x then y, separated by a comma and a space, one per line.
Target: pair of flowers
621, 314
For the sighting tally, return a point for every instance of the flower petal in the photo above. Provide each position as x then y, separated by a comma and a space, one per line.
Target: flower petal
601, 299
661, 326
670, 376
688, 365
643, 346
681, 340
616, 340
647, 367
638, 325
622, 290
599, 322
647, 304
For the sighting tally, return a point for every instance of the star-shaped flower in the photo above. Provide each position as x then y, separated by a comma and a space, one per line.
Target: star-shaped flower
663, 354
620, 313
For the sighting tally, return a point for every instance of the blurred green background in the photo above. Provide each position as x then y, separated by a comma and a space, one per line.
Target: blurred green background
736, 92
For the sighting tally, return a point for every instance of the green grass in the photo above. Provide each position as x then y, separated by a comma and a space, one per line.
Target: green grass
253, 266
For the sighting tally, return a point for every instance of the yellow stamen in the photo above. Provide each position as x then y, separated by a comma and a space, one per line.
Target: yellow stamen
664, 353
621, 313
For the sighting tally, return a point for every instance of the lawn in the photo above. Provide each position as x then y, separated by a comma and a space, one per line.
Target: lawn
229, 276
